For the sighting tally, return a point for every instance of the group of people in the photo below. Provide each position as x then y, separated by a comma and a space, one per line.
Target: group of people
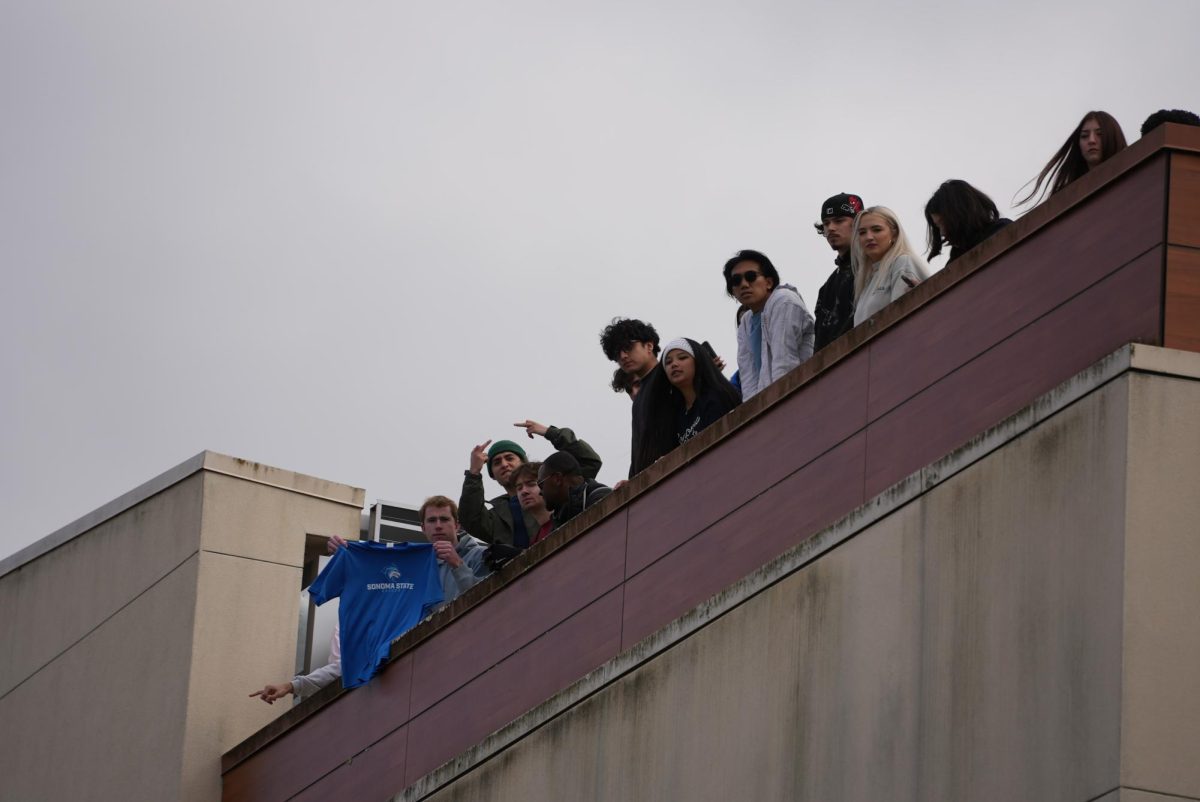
676, 397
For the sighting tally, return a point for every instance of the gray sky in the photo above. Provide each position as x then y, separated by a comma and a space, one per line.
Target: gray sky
355, 239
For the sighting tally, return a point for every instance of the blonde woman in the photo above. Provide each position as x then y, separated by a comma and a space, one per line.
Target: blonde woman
885, 265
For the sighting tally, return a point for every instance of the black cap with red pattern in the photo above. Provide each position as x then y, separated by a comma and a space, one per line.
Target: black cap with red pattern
842, 205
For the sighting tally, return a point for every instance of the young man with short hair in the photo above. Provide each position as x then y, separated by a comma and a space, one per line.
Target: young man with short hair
524, 480
835, 301
565, 490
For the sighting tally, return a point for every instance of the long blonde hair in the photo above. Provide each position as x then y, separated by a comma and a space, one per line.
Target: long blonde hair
863, 270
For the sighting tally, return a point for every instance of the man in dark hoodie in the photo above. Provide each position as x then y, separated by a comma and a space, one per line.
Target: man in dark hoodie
505, 522
835, 302
564, 488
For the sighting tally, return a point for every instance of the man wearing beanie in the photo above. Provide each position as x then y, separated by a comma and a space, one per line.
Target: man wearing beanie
835, 302
505, 522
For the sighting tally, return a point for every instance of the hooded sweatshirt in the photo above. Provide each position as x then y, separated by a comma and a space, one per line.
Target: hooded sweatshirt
787, 340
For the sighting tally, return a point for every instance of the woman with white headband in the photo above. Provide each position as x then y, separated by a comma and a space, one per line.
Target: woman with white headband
684, 394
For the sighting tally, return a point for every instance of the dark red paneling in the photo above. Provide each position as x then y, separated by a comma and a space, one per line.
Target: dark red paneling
319, 743
1183, 215
1122, 308
381, 766
570, 579
1096, 238
791, 511
797, 431
582, 643
1181, 327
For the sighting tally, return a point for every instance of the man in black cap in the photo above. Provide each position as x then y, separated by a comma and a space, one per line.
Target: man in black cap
566, 491
505, 522
835, 302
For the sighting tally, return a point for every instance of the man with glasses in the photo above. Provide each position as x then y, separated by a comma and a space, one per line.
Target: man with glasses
633, 345
835, 301
565, 491
776, 335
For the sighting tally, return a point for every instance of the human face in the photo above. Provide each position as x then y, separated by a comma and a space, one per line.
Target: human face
1091, 146
503, 464
680, 367
875, 235
440, 524
637, 358
941, 226
837, 231
754, 293
553, 487
529, 494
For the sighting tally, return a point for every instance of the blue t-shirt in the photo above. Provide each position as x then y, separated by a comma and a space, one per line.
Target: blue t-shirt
386, 588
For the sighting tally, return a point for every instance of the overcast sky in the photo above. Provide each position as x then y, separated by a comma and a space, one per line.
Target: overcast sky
354, 239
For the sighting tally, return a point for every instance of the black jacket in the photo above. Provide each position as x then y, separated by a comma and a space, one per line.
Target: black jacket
835, 304
579, 498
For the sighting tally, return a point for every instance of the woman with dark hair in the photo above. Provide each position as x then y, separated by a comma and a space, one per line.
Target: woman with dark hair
962, 217
683, 395
1097, 137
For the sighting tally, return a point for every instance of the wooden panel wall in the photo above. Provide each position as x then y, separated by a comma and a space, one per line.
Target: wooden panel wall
1181, 326
969, 353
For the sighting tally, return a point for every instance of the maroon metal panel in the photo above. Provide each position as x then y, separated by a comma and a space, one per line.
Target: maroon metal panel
798, 430
381, 766
524, 680
320, 743
1181, 325
1183, 221
1122, 308
556, 588
1106, 232
765, 527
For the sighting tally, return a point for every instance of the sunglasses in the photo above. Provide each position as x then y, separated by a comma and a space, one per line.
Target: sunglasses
750, 276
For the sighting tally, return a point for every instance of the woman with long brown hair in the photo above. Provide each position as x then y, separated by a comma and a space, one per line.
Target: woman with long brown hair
1097, 137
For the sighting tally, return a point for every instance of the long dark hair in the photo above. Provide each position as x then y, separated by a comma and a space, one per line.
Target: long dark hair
1067, 164
662, 404
967, 216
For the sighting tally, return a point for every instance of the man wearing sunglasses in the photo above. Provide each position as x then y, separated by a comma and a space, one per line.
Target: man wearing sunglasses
776, 335
565, 491
835, 301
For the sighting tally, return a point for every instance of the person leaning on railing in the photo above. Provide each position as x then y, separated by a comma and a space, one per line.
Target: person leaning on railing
885, 264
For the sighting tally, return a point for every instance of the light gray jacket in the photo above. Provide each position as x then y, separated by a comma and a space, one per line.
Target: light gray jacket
788, 334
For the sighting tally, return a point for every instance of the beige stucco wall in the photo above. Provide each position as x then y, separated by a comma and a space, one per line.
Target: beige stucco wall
1025, 629
129, 649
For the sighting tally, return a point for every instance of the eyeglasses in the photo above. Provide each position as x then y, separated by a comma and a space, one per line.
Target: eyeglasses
750, 276
541, 482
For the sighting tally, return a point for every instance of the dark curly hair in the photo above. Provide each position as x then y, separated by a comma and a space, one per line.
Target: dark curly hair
1169, 116
624, 332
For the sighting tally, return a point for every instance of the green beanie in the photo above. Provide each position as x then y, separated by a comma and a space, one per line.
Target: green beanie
499, 447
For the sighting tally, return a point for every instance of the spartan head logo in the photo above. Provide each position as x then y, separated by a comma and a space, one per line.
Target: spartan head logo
392, 573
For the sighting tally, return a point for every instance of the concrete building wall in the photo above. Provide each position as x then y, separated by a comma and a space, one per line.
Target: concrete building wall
131, 644
1025, 629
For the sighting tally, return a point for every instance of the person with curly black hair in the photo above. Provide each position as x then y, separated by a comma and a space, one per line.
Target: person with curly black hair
633, 345
1169, 116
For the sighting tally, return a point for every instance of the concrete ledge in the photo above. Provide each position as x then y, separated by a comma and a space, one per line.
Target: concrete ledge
204, 461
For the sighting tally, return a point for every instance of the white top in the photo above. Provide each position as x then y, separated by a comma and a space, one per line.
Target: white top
883, 288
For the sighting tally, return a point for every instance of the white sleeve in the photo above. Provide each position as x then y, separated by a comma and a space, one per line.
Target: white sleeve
308, 684
747, 369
